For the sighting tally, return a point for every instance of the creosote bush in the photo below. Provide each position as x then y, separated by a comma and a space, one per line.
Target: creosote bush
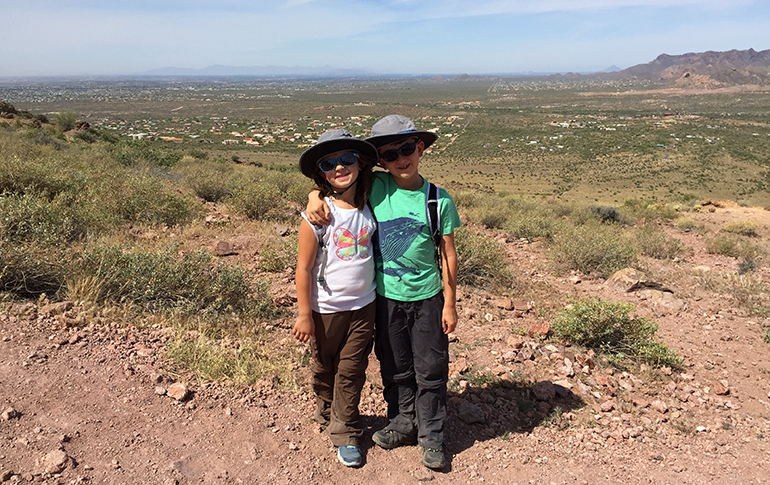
480, 261
166, 280
655, 243
743, 228
606, 326
592, 248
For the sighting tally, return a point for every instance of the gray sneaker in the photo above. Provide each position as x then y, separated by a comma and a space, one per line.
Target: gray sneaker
433, 458
390, 438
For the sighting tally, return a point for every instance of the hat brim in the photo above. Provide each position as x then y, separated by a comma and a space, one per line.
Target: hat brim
427, 137
308, 161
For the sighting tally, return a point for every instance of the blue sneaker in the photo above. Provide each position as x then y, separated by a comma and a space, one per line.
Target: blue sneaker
349, 455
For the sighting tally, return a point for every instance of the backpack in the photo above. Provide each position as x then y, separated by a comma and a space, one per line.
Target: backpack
434, 221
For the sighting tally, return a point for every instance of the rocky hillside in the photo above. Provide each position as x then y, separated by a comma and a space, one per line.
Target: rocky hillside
727, 68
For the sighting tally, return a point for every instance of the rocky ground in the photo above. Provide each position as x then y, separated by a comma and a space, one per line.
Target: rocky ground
95, 402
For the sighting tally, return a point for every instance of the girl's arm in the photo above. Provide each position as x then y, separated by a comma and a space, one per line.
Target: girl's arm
308, 248
317, 210
449, 265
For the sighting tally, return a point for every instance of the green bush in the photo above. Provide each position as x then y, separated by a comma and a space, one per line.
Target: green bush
592, 248
133, 153
480, 261
655, 243
28, 270
607, 327
606, 214
279, 255
685, 223
66, 120
166, 280
257, 200
211, 181
147, 200
531, 226
743, 228
734, 246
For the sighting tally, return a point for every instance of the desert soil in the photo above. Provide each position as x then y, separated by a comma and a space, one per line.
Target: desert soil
92, 403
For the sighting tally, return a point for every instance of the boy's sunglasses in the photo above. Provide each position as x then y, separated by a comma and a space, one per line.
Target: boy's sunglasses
405, 150
346, 160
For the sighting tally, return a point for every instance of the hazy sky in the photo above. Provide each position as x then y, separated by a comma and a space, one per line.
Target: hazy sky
98, 37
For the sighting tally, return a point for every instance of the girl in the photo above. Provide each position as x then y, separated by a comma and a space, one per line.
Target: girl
336, 287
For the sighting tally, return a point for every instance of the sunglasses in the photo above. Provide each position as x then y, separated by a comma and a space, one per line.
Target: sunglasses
346, 160
392, 155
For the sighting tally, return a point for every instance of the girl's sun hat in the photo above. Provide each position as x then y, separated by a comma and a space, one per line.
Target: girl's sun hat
334, 141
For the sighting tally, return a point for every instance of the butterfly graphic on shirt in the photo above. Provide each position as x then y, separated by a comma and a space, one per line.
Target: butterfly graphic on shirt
349, 245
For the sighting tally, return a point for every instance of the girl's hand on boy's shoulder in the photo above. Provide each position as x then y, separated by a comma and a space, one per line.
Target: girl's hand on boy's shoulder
317, 211
303, 329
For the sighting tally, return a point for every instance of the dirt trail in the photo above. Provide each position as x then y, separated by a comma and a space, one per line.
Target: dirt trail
89, 404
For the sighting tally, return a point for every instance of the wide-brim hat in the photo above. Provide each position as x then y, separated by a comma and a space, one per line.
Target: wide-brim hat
393, 128
334, 141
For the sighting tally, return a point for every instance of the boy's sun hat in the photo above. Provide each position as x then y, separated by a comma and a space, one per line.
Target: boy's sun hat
334, 141
393, 128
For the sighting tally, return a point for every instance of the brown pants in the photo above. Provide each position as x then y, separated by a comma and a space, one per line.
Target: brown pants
341, 350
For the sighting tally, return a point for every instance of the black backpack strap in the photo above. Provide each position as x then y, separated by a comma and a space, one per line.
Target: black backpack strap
320, 232
434, 220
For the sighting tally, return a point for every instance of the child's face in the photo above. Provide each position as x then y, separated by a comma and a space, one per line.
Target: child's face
342, 175
404, 167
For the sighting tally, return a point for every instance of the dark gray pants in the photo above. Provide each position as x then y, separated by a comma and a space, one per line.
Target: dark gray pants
414, 362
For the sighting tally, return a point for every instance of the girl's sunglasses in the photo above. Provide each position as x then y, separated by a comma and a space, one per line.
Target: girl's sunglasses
346, 160
392, 155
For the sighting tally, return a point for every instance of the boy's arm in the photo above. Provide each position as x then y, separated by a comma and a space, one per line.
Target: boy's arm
308, 244
317, 211
449, 265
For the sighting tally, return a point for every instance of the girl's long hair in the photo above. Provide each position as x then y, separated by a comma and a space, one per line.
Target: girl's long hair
363, 182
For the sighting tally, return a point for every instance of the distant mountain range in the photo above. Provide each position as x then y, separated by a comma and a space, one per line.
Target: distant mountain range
709, 68
258, 71
706, 69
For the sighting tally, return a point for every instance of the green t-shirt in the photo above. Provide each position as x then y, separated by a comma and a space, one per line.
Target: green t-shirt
405, 267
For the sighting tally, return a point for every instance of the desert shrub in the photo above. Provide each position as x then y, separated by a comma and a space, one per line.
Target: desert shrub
732, 245
465, 199
133, 153
279, 255
211, 181
743, 228
685, 223
32, 218
147, 200
480, 261
747, 265
592, 248
606, 326
489, 217
531, 226
242, 364
291, 184
28, 270
606, 214
66, 120
653, 242
166, 280
256, 200
646, 209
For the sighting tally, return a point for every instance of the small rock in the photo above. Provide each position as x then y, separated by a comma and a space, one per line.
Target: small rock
523, 355
720, 388
458, 367
282, 230
544, 391
178, 391
539, 330
160, 391
9, 414
471, 413
56, 308
55, 461
505, 304
145, 352
509, 356
659, 406
515, 341
293, 446
607, 406
575, 280
5, 475
224, 248
665, 370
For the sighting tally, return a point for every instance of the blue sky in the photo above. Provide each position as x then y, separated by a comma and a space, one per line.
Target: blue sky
109, 37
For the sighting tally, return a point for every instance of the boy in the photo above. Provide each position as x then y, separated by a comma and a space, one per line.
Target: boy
413, 316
